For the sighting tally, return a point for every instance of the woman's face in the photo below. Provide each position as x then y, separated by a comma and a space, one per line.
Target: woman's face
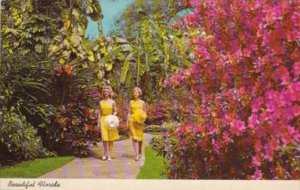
105, 93
136, 94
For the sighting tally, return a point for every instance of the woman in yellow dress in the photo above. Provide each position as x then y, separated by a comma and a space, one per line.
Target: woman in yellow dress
136, 119
107, 107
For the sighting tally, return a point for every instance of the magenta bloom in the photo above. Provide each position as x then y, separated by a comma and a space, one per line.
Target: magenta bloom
237, 127
257, 175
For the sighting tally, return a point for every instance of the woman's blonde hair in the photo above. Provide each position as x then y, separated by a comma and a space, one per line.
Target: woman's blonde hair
111, 92
139, 90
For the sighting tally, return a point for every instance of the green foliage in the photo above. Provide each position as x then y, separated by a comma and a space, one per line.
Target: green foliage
153, 128
35, 168
18, 138
24, 88
154, 167
164, 144
157, 144
37, 36
156, 48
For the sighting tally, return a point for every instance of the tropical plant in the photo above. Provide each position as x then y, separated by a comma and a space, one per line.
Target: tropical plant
39, 38
18, 138
156, 49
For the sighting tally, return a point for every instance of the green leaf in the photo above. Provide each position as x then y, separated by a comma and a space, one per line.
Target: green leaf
91, 57
125, 68
108, 66
75, 40
76, 13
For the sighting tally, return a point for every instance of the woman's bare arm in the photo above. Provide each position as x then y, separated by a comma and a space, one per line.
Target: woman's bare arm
114, 104
99, 116
128, 116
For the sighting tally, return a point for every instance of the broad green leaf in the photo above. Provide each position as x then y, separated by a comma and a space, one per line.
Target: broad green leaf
108, 66
89, 9
38, 48
67, 24
125, 68
61, 61
91, 57
76, 13
53, 48
100, 75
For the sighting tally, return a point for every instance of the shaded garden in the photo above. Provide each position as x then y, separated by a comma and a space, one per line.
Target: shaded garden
221, 79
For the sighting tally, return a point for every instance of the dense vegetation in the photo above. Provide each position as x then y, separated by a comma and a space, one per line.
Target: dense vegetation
245, 80
224, 74
46, 68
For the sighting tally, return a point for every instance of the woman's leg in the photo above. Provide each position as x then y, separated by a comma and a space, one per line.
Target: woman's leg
105, 148
110, 147
136, 149
140, 148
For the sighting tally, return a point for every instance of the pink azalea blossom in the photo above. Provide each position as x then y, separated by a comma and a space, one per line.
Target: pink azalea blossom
237, 127
256, 160
256, 104
257, 175
253, 120
258, 146
226, 138
216, 146
296, 110
296, 68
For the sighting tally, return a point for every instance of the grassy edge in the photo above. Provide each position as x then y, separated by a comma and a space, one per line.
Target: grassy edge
154, 166
34, 168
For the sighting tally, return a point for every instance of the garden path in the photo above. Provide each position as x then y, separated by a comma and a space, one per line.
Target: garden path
122, 165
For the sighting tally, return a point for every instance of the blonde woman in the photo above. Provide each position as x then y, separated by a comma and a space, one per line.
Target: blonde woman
136, 119
107, 107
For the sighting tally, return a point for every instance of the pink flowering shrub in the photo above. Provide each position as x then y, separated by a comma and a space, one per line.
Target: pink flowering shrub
246, 76
157, 113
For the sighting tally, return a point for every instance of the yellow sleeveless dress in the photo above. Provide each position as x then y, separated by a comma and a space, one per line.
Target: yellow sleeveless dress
107, 134
136, 129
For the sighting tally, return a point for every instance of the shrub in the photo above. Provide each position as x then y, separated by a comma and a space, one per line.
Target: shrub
18, 138
74, 125
153, 128
165, 126
74, 128
157, 113
204, 154
164, 144
245, 77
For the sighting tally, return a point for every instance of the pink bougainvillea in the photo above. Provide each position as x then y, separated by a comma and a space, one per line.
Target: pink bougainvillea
246, 73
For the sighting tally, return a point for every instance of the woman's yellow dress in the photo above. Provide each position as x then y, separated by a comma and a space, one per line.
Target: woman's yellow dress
136, 129
106, 133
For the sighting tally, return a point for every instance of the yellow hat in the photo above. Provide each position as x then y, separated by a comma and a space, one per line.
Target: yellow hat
139, 116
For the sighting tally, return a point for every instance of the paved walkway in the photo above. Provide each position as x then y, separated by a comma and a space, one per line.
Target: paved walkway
122, 165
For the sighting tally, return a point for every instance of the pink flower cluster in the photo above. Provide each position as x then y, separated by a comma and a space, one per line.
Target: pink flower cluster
247, 76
